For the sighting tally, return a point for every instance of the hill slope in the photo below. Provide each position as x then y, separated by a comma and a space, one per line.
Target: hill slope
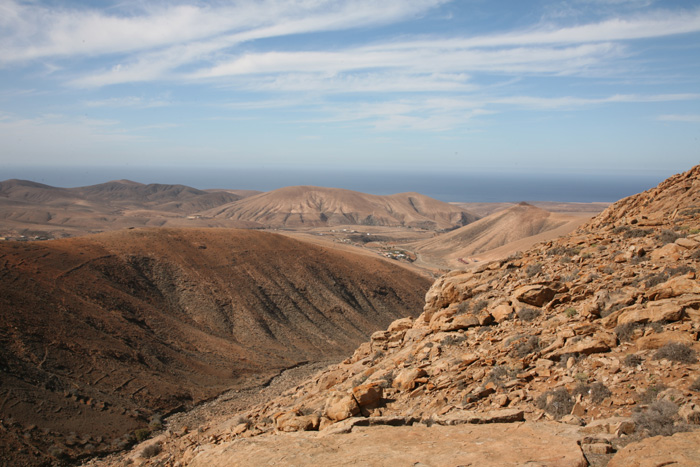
590, 340
99, 333
305, 206
506, 227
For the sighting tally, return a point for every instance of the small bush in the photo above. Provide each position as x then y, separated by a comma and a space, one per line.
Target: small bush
657, 419
632, 360
556, 402
141, 434
151, 450
533, 269
624, 332
656, 279
668, 236
651, 393
637, 233
480, 305
570, 312
676, 352
500, 374
596, 391
620, 229
528, 314
525, 348
453, 339
680, 270
563, 251
564, 358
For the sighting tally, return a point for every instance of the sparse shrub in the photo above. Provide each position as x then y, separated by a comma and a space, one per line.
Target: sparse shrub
596, 391
59, 452
499, 375
533, 269
564, 358
570, 312
528, 314
695, 255
695, 386
386, 380
151, 450
637, 233
141, 434
525, 348
651, 393
608, 270
480, 305
632, 360
556, 402
656, 279
624, 332
676, 352
563, 251
463, 307
657, 420
684, 269
668, 236
453, 339
620, 229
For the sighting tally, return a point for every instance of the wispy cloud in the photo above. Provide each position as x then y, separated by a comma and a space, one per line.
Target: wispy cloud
688, 118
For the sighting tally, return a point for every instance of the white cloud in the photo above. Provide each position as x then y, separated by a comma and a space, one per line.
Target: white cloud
687, 118
134, 102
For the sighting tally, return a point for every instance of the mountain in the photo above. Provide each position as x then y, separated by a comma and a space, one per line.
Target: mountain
306, 206
100, 334
579, 351
512, 229
33, 209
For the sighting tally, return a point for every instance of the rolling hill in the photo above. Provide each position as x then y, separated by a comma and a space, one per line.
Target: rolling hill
100, 334
306, 206
500, 233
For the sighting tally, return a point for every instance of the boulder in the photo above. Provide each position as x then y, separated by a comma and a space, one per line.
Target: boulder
679, 449
669, 252
655, 341
502, 312
368, 394
293, 421
402, 324
663, 310
535, 295
406, 379
340, 406
673, 288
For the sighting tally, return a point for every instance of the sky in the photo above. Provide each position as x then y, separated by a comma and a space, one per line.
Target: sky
536, 86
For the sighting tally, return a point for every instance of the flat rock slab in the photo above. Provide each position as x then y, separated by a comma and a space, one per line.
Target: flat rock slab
681, 449
526, 443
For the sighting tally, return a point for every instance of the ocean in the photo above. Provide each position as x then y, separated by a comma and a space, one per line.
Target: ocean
476, 186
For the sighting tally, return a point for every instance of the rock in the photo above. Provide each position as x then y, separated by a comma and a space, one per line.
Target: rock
612, 425
597, 448
663, 310
406, 379
587, 346
402, 324
535, 295
669, 252
673, 288
340, 406
679, 449
657, 340
687, 243
502, 312
458, 322
292, 421
528, 443
367, 394
690, 412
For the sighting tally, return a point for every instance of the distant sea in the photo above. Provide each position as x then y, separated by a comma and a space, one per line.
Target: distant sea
482, 186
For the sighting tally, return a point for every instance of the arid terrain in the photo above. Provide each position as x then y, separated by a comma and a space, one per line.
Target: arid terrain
578, 351
171, 319
103, 334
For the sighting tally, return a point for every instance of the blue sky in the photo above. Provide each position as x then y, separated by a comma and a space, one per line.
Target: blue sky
558, 86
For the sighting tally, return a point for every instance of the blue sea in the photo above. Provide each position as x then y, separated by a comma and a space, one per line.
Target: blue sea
476, 186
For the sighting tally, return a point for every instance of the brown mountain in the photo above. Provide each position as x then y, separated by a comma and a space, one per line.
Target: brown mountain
99, 333
579, 351
502, 232
306, 206
33, 209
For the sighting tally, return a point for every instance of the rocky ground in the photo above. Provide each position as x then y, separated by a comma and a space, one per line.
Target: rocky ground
579, 351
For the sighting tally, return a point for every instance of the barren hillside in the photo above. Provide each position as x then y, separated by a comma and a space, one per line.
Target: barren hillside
305, 206
100, 335
580, 351
508, 229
